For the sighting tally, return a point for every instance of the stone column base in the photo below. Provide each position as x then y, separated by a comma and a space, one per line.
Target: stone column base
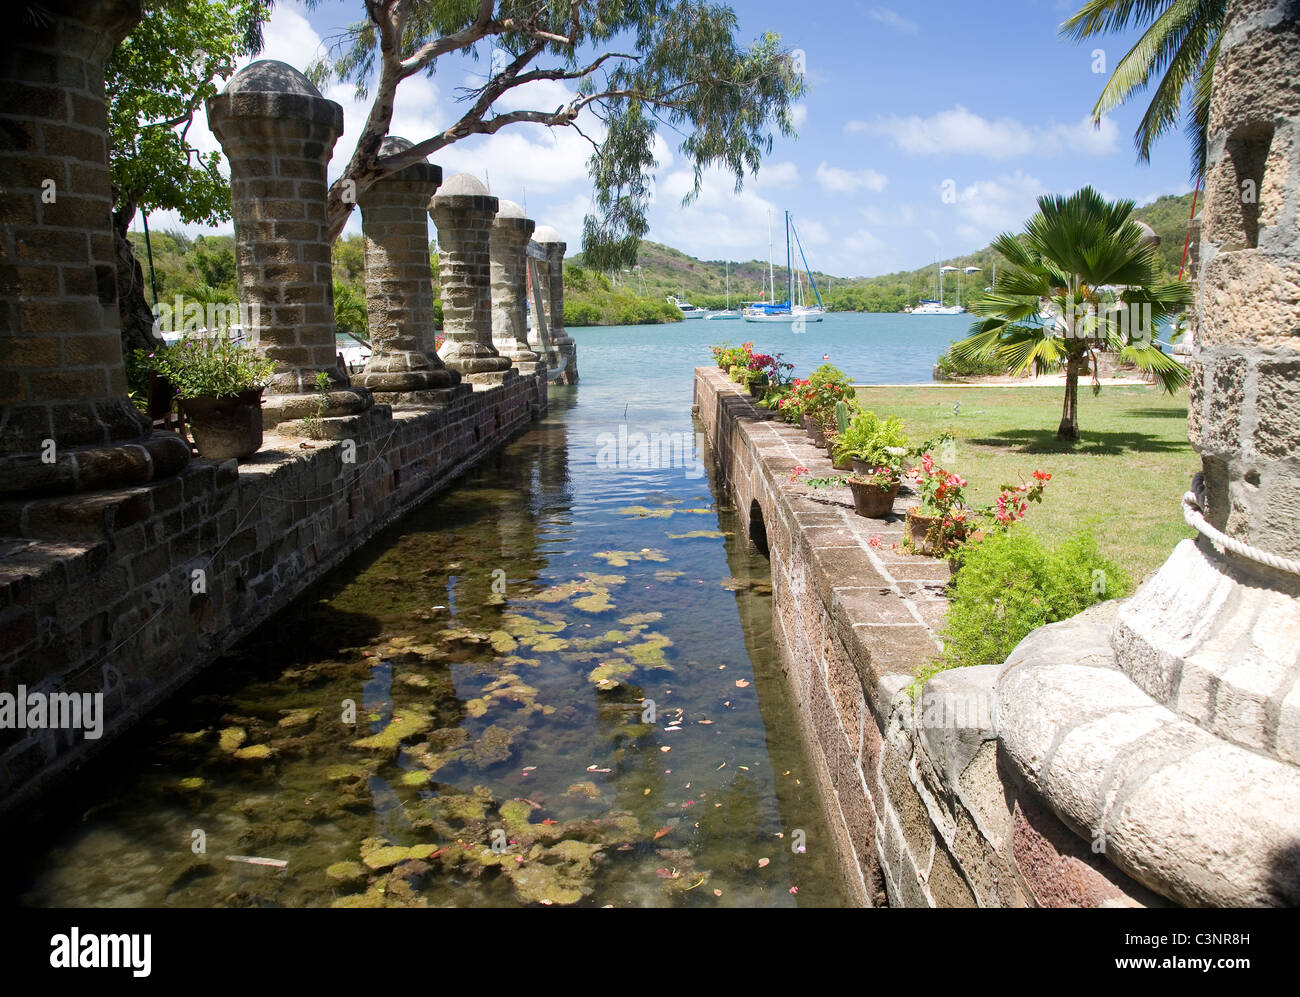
569, 350
1194, 817
92, 468
491, 378
280, 408
472, 358
428, 398
401, 377
516, 353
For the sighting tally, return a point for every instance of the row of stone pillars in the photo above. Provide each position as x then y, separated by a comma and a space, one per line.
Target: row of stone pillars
278, 132
66, 423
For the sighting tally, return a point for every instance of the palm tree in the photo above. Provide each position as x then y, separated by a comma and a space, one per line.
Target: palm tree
1180, 46
1052, 304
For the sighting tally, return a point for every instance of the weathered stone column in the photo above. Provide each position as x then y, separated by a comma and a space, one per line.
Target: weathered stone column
538, 275
464, 211
278, 132
554, 245
1173, 735
399, 291
66, 423
509, 247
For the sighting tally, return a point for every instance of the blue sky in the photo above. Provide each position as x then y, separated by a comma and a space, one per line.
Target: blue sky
907, 101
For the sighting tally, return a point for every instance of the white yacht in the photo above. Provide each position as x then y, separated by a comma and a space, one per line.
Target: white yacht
687, 309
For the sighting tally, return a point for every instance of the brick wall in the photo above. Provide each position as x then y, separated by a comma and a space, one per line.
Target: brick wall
97, 590
922, 806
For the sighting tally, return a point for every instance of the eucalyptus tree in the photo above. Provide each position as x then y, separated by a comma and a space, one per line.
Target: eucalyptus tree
633, 66
1084, 277
155, 81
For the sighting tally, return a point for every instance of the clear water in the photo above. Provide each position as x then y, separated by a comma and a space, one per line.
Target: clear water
479, 638
871, 347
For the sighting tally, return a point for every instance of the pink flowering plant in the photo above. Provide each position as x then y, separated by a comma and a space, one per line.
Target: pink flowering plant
1013, 501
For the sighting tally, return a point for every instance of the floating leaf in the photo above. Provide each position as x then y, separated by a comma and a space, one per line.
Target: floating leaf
643, 512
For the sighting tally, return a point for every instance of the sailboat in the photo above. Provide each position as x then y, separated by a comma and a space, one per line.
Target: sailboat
788, 310
729, 314
936, 306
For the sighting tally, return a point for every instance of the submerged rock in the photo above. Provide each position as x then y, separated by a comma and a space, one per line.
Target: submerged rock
411, 721
297, 718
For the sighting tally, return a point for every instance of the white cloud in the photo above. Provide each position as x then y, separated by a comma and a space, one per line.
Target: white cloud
989, 207
798, 115
959, 130
722, 222
893, 19
835, 180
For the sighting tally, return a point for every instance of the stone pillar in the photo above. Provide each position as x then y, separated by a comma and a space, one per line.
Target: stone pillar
66, 423
1173, 735
464, 211
278, 131
1246, 397
538, 275
403, 365
509, 247
554, 245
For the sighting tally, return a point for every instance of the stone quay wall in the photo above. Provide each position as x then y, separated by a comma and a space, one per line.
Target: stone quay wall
99, 591
921, 802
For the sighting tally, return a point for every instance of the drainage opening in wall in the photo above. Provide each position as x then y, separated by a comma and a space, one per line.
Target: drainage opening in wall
757, 528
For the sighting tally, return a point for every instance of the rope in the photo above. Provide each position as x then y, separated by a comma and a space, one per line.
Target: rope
1192, 514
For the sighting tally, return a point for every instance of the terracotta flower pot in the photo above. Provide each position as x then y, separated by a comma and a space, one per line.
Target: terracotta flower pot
860, 466
920, 528
872, 501
814, 429
226, 426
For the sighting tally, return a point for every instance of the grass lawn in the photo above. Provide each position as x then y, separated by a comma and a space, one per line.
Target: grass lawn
1123, 480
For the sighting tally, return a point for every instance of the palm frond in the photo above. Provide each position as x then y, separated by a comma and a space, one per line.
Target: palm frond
1169, 372
1105, 17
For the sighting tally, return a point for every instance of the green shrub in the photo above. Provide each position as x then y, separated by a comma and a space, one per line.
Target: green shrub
1010, 584
953, 366
578, 313
209, 366
869, 438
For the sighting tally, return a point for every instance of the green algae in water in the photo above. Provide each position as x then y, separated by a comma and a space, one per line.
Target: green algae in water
415, 616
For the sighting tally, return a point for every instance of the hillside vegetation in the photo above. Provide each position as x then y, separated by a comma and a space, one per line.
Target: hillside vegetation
202, 269
665, 271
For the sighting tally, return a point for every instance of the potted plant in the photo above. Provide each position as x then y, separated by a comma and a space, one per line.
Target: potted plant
874, 491
219, 385
869, 441
727, 356
941, 522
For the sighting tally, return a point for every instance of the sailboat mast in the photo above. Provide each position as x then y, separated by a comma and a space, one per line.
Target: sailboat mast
789, 273
728, 272
771, 277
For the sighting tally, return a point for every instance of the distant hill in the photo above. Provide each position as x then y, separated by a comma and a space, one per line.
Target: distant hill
664, 270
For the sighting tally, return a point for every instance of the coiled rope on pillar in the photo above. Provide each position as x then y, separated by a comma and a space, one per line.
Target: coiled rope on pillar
1193, 505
